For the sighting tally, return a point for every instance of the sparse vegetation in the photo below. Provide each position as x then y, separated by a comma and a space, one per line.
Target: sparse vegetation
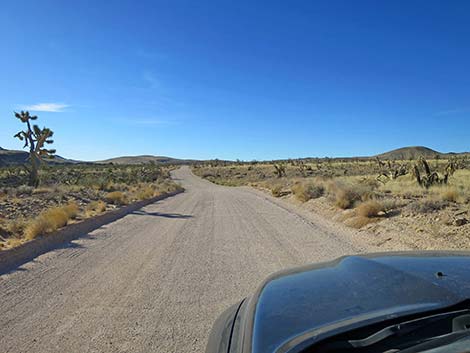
68, 192
366, 190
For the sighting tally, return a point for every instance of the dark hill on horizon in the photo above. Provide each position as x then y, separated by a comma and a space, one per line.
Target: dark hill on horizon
414, 152
16, 157
142, 159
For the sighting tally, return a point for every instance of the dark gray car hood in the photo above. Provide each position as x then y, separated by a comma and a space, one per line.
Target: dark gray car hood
310, 303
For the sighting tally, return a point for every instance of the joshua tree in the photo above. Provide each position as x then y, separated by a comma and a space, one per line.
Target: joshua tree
279, 170
35, 139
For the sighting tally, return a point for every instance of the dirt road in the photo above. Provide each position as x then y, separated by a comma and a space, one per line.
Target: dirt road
155, 280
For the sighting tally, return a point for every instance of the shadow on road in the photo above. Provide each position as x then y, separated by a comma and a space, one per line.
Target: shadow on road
159, 214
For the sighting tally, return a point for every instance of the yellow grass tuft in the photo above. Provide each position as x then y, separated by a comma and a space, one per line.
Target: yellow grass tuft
307, 191
50, 220
360, 221
369, 209
449, 194
116, 198
145, 192
345, 198
95, 207
71, 210
276, 191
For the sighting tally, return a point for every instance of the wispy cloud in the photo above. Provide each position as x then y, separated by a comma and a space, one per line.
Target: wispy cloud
150, 78
452, 111
46, 107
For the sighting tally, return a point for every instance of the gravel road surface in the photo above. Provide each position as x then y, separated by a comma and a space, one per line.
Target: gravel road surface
155, 280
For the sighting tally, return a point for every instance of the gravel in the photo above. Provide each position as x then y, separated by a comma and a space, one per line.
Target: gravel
155, 280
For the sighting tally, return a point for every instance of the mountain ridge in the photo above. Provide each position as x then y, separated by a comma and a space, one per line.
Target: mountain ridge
18, 157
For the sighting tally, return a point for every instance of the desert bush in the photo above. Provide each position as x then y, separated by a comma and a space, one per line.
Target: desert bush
145, 192
42, 190
24, 190
49, 221
71, 209
344, 196
38, 226
17, 226
449, 194
369, 209
95, 207
427, 206
392, 204
116, 198
359, 221
276, 191
13, 242
305, 192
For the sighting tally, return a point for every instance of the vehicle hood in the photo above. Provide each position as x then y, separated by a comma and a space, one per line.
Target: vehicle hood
312, 303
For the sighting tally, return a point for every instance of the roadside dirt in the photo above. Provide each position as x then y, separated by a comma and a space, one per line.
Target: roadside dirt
155, 280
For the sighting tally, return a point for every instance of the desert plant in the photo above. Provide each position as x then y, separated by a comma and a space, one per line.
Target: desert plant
430, 178
305, 192
370, 209
427, 206
96, 207
145, 192
35, 139
279, 170
276, 191
71, 209
116, 198
49, 221
449, 194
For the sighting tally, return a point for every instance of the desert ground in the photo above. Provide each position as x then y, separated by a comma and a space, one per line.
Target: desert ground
155, 280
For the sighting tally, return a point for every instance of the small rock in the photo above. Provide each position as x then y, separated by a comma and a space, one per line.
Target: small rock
461, 221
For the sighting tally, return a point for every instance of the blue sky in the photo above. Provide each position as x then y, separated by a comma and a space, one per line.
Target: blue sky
238, 79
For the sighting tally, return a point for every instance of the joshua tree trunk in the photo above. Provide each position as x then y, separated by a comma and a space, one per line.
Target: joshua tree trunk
34, 172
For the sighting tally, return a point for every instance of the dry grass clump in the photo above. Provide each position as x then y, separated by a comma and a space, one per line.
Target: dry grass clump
360, 221
344, 196
276, 190
145, 192
13, 242
16, 227
42, 190
71, 209
116, 198
367, 212
369, 209
449, 194
50, 220
307, 191
95, 207
427, 206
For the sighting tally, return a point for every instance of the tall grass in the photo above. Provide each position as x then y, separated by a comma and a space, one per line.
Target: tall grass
50, 220
307, 191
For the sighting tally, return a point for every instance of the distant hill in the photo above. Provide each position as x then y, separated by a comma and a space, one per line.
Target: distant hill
146, 159
412, 152
14, 157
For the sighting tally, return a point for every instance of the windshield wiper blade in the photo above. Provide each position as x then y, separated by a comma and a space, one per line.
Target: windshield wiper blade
403, 328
